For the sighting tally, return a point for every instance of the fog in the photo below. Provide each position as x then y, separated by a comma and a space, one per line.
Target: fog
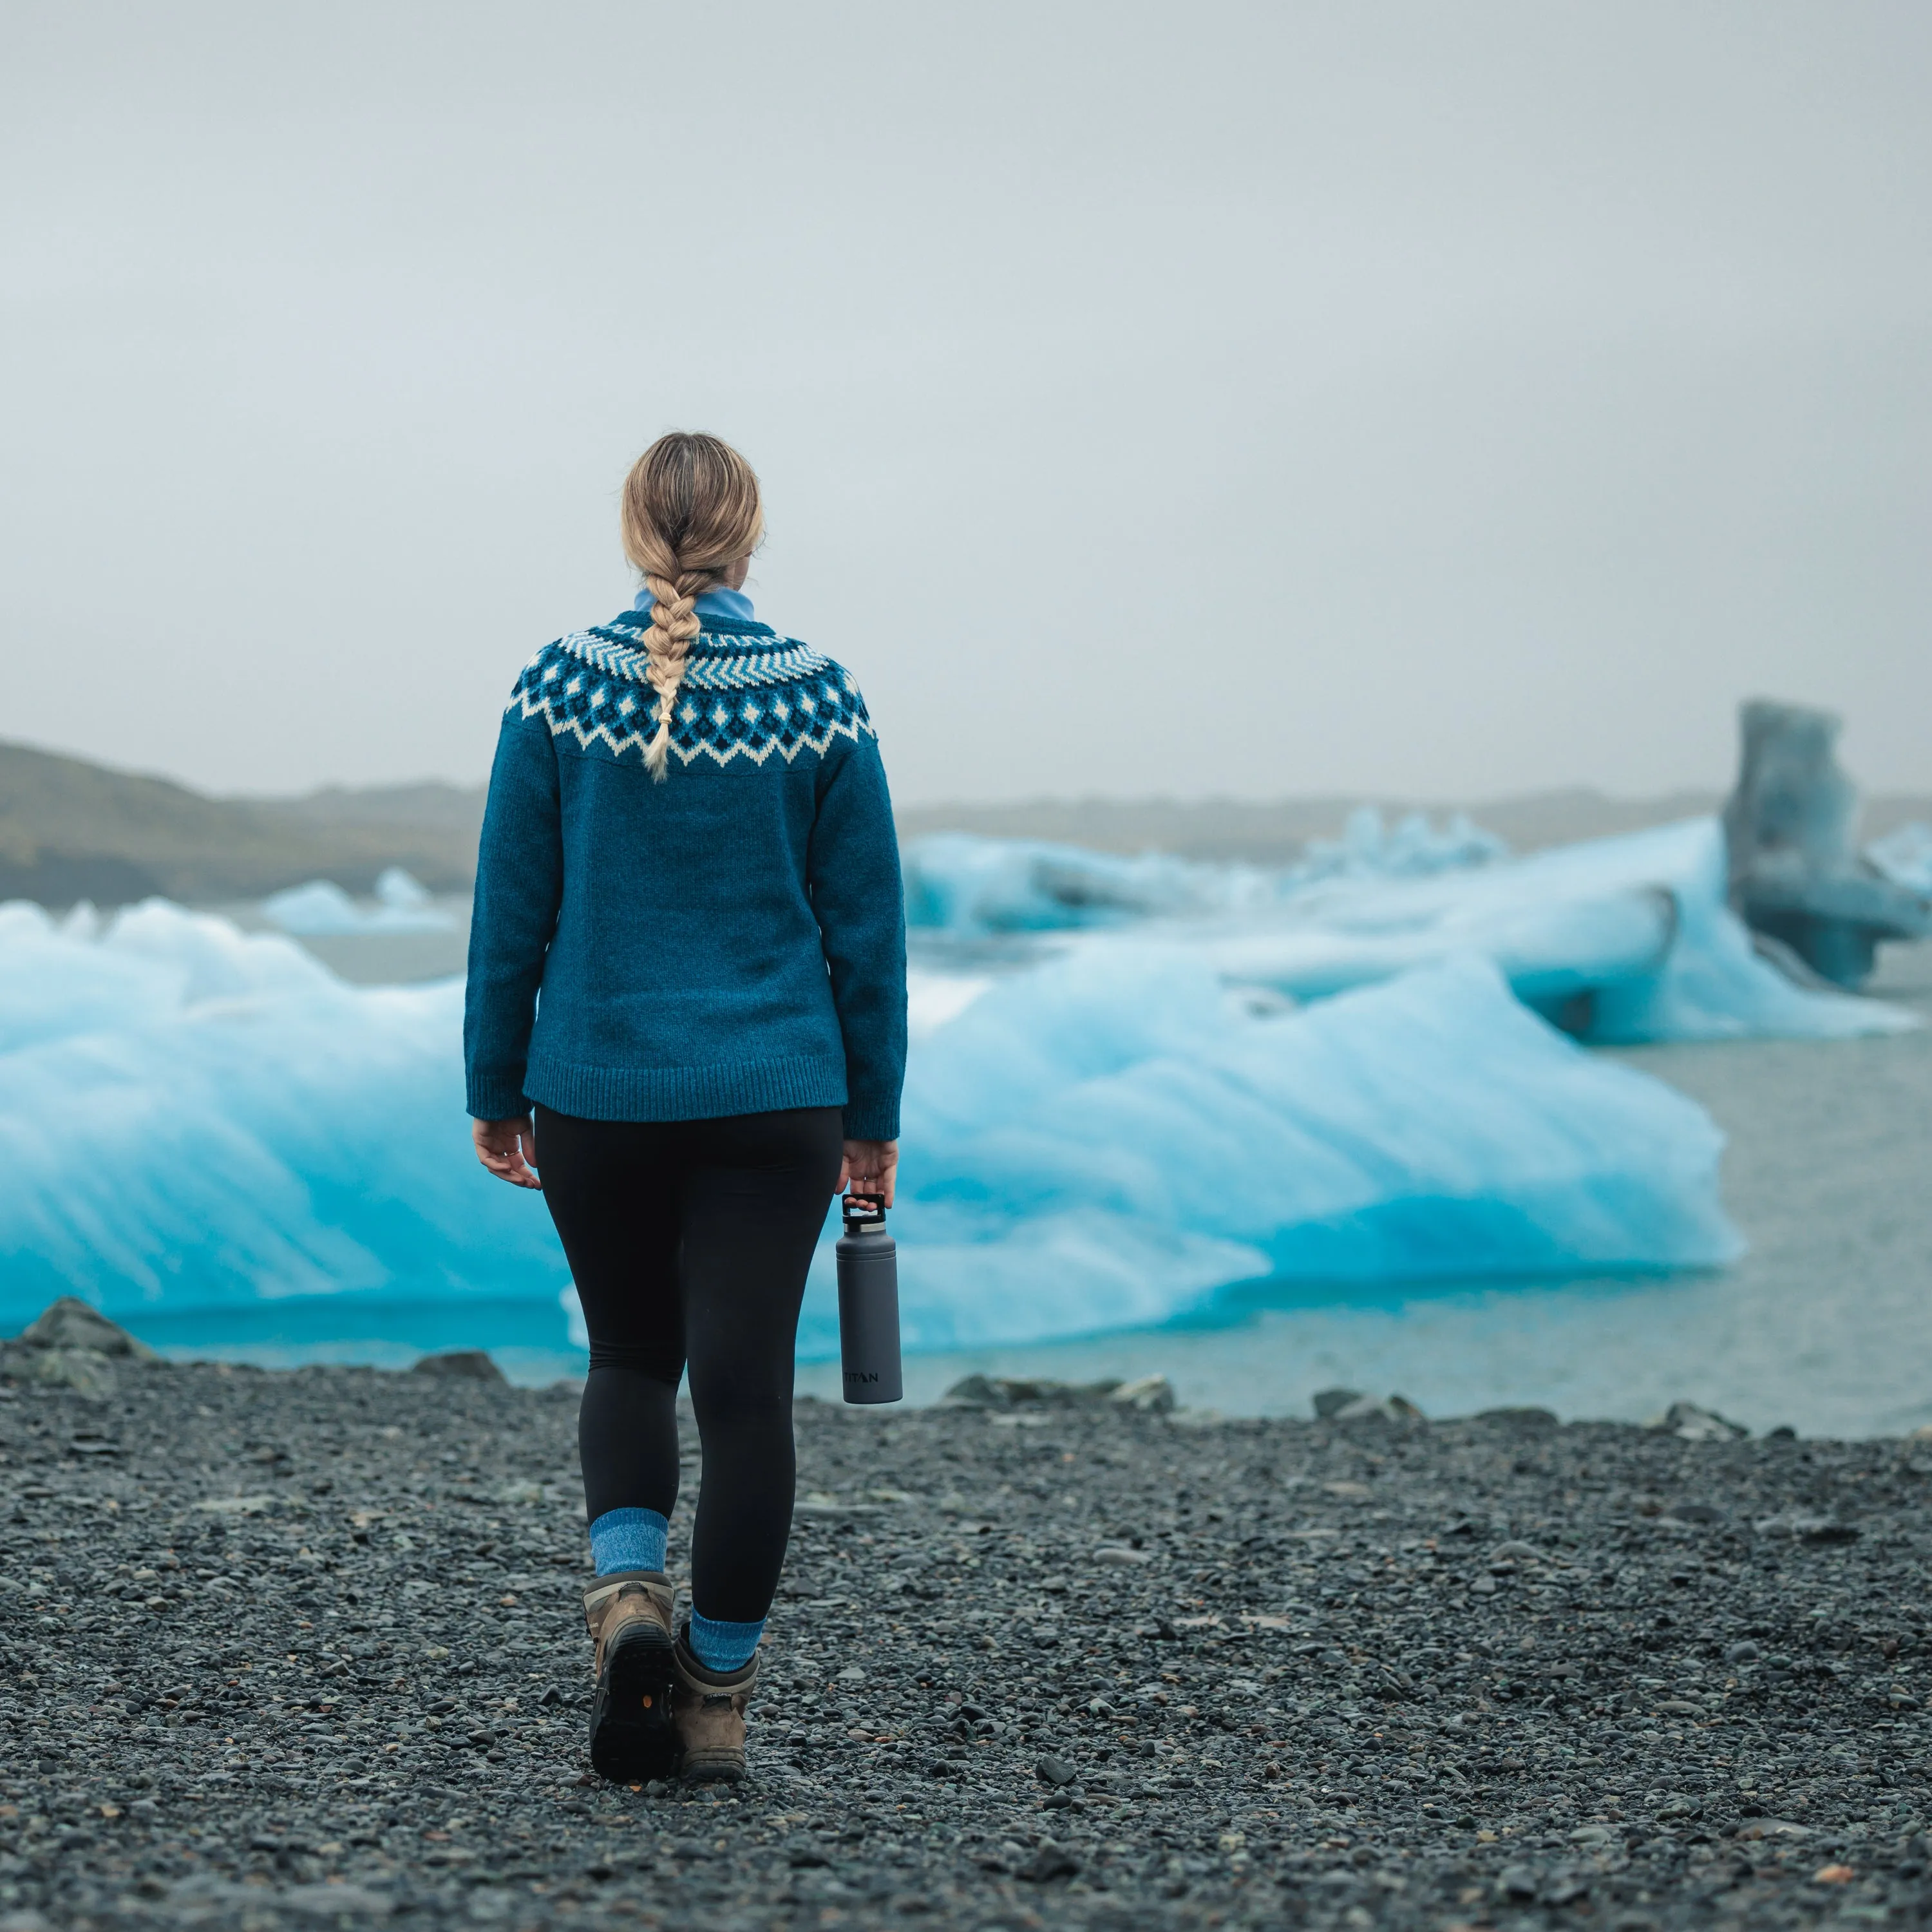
1224, 399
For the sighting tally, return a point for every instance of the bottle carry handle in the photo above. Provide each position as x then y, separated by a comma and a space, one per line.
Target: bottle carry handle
865, 1213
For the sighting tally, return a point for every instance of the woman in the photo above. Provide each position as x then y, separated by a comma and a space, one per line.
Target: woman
687, 1006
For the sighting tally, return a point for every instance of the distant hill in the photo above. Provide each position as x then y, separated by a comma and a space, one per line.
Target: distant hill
72, 830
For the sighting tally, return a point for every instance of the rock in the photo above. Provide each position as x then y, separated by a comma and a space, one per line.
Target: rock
1152, 1394
1772, 1828
470, 1364
1373, 1409
1054, 1770
1526, 1419
1330, 1402
333, 1902
86, 1371
70, 1323
973, 1392
1050, 1861
1518, 1882
1807, 1528
1120, 1552
1516, 1552
1744, 1652
1685, 1419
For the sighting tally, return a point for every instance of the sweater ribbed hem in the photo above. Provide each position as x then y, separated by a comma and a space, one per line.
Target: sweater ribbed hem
871, 1123
686, 1093
496, 1096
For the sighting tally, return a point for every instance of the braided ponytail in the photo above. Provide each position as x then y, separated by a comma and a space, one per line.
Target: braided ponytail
690, 511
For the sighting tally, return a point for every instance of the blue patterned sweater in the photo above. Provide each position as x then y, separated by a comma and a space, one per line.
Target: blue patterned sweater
731, 941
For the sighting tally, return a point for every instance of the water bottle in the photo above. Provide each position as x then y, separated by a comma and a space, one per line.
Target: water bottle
868, 1303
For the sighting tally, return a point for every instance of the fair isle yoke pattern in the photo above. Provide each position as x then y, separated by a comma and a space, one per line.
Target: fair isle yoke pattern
742, 696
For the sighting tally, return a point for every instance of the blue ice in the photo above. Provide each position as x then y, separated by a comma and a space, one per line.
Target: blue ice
322, 909
1225, 1076
1107, 1140
1625, 939
1904, 856
199, 1117
957, 882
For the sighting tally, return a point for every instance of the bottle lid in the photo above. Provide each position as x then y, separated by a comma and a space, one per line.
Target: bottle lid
865, 1213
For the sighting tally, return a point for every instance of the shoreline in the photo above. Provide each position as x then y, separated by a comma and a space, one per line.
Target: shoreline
285, 1645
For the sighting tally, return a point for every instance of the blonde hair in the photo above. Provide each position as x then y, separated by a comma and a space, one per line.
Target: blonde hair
691, 510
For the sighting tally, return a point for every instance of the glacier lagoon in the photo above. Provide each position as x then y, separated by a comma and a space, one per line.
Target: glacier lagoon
1265, 1134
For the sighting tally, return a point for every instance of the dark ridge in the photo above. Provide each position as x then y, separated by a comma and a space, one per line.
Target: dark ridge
70, 830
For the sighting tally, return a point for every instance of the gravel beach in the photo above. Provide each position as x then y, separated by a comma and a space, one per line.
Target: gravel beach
302, 1648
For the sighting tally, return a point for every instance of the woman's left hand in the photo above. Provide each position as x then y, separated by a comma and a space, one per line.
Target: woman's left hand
869, 1167
509, 1149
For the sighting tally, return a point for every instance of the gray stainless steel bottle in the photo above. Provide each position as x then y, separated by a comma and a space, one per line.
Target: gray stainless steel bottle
868, 1303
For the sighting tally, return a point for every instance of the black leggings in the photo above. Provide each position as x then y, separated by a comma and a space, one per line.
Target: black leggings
689, 1240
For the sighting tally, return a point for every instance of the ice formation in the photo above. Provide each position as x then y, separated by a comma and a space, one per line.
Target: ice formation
1624, 940
957, 882
1904, 856
198, 1117
1619, 940
1106, 1140
322, 909
1165, 1079
1794, 876
1413, 848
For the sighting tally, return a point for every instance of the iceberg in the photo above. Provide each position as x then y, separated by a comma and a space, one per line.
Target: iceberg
198, 1117
1412, 848
1108, 1140
201, 1118
1622, 940
1619, 940
958, 882
1815, 904
321, 910
1904, 856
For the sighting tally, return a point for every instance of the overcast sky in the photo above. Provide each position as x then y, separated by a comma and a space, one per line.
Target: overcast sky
1440, 400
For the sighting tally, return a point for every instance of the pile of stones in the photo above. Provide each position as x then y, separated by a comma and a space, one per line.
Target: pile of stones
304, 1648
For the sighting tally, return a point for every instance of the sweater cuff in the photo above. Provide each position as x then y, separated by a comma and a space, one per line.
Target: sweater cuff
872, 1122
497, 1096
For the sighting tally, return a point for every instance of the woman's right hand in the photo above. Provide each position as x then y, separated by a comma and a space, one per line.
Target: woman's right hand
869, 1167
509, 1149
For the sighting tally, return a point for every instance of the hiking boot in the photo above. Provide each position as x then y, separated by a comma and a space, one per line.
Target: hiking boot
710, 1707
634, 1735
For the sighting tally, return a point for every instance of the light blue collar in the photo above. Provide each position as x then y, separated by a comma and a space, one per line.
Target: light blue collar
719, 603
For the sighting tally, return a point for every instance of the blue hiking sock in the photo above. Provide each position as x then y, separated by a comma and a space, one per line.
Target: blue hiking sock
723, 1647
628, 1539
